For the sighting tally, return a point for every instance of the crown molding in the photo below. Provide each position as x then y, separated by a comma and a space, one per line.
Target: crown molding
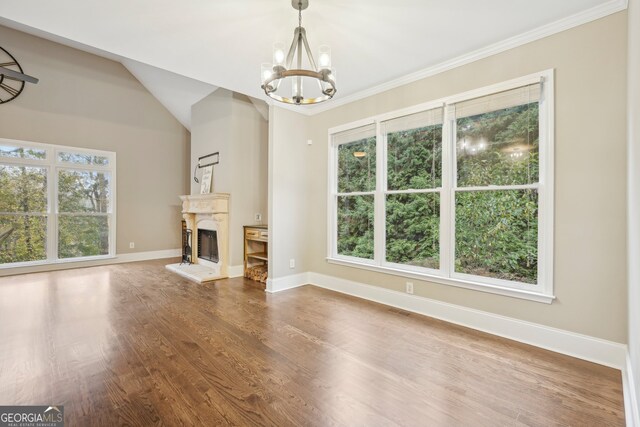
584, 17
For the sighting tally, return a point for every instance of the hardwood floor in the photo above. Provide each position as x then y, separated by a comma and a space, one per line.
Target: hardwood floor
134, 344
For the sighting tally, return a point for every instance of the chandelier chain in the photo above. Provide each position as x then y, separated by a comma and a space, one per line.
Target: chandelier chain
300, 14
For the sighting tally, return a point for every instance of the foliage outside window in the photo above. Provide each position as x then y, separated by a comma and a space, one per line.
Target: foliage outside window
356, 191
56, 203
454, 190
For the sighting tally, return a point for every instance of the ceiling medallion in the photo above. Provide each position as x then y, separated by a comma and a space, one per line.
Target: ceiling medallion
273, 75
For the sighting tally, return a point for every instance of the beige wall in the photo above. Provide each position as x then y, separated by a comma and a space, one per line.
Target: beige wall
230, 124
83, 100
590, 205
634, 191
210, 132
290, 205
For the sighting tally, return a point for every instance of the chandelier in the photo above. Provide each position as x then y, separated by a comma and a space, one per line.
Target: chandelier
273, 75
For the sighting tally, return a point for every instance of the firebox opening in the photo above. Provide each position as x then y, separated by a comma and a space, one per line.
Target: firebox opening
208, 245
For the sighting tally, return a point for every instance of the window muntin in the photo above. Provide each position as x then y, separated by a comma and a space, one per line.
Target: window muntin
515, 119
69, 209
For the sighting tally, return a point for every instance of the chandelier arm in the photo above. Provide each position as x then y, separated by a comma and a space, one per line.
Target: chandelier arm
300, 38
292, 49
309, 54
311, 60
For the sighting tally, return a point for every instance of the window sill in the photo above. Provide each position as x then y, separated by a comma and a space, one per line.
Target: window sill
493, 289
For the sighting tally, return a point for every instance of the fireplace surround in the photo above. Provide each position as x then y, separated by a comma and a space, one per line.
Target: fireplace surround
207, 215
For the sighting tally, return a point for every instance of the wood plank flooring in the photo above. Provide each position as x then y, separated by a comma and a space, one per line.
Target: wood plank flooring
134, 344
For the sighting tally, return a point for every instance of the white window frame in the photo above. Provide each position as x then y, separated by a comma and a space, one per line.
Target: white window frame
52, 166
540, 292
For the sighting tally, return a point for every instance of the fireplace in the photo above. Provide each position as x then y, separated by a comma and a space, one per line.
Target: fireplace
208, 245
207, 215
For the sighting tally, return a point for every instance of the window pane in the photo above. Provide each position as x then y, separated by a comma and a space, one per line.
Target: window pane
22, 152
23, 238
357, 166
497, 234
413, 229
497, 139
23, 189
355, 226
414, 151
82, 159
83, 191
80, 236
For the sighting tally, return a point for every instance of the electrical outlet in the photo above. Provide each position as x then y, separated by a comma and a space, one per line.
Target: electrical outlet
409, 288
258, 217
132, 245
292, 263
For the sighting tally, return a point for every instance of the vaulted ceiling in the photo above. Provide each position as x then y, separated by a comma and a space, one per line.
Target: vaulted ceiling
222, 43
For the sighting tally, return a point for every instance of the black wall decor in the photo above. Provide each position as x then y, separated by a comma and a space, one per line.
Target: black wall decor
12, 78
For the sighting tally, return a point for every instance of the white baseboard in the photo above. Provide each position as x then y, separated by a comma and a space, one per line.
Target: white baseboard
584, 347
236, 271
287, 282
631, 410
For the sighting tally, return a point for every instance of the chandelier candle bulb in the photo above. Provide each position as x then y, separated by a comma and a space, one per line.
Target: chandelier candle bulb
278, 55
324, 57
266, 72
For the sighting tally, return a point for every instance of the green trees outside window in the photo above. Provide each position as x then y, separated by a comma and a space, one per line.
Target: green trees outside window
77, 222
23, 218
83, 222
356, 174
496, 232
414, 162
492, 195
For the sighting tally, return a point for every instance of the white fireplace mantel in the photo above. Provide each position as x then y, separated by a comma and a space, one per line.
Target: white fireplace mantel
206, 203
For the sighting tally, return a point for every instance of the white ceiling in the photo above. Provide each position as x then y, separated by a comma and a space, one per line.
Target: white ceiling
223, 42
177, 93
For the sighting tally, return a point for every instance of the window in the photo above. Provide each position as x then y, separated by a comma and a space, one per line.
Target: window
56, 203
356, 191
457, 191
